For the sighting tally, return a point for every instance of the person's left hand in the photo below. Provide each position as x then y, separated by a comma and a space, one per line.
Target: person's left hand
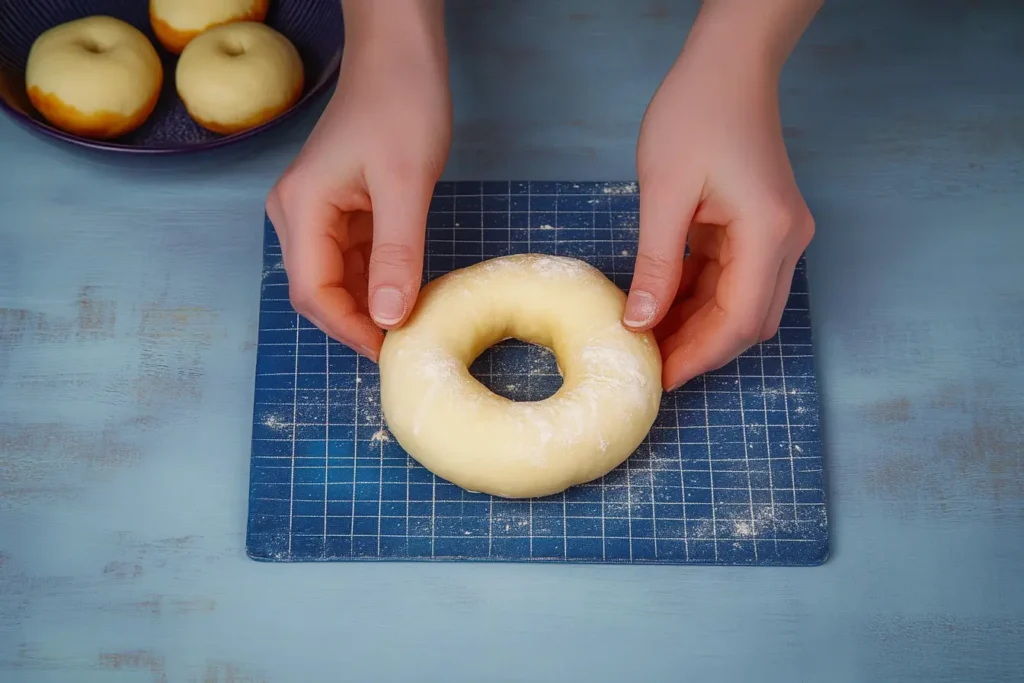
713, 168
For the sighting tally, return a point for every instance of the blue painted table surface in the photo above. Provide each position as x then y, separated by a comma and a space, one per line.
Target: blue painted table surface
129, 293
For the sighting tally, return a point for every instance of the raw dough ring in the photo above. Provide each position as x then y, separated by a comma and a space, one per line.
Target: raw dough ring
461, 431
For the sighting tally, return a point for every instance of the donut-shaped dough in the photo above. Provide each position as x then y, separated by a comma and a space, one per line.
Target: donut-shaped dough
461, 431
98, 77
238, 76
176, 22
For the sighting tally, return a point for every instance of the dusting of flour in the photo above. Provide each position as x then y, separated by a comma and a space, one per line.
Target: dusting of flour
441, 370
620, 188
541, 264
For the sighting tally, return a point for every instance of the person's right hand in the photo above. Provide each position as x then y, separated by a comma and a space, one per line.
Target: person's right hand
351, 210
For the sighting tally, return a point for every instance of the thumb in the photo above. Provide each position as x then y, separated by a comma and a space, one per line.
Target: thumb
665, 215
396, 257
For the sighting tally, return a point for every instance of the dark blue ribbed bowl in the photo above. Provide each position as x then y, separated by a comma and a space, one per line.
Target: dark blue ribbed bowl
313, 26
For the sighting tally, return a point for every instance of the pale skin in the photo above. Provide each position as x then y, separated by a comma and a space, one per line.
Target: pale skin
351, 209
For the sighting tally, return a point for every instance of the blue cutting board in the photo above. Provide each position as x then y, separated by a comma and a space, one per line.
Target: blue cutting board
730, 474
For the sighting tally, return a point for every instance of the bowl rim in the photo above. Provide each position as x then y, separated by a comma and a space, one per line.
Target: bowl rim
328, 79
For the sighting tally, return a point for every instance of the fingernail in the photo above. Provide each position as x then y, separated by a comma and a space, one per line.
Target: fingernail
388, 306
641, 307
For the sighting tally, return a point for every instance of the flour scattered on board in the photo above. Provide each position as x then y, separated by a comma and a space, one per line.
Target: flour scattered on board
702, 529
369, 409
381, 436
546, 227
273, 267
620, 188
743, 529
274, 422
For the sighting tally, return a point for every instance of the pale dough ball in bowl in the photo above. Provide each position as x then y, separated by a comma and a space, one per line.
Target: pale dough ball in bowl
238, 76
97, 77
176, 22
461, 431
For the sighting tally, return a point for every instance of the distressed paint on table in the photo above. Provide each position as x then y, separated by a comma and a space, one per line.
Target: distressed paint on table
129, 292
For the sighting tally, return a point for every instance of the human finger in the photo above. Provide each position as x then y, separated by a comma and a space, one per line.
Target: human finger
314, 261
665, 214
696, 288
802, 233
396, 257
729, 322
783, 283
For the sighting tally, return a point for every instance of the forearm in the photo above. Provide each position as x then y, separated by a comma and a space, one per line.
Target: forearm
401, 26
757, 33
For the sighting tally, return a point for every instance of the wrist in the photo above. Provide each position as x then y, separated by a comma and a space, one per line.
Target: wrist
750, 37
395, 27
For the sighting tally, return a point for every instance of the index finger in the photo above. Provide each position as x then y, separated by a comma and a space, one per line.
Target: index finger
731, 321
314, 261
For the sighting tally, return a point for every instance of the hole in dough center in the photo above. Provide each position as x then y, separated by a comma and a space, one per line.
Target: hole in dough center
518, 371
